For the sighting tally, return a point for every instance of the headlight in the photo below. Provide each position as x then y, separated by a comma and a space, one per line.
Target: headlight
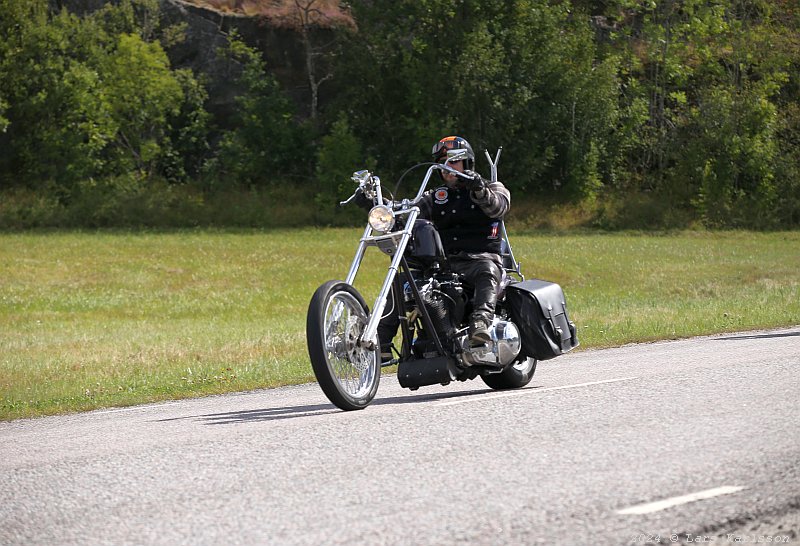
381, 218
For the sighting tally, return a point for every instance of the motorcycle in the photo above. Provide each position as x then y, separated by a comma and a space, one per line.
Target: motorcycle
432, 304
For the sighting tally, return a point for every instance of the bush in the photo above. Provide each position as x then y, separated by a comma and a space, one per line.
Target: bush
80, 101
339, 156
267, 145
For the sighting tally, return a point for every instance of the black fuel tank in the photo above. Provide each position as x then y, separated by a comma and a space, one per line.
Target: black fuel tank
426, 245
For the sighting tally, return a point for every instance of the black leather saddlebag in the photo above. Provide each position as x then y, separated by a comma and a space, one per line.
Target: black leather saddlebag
539, 310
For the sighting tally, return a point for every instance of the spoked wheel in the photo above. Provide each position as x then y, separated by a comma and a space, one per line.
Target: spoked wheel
347, 373
514, 377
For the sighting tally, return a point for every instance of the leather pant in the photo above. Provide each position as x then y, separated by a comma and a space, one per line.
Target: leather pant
483, 275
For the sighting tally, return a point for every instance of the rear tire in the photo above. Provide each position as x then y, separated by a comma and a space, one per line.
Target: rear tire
514, 377
347, 373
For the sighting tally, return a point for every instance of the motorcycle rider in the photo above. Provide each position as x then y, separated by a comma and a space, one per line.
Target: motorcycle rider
467, 212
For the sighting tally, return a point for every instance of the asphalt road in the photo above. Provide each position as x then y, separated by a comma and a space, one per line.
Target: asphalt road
707, 428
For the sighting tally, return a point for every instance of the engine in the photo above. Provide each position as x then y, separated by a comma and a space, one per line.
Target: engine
445, 302
501, 351
444, 299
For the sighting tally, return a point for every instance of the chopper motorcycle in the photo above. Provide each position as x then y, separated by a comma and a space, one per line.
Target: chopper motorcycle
432, 304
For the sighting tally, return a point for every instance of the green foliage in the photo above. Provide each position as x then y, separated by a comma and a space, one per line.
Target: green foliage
267, 145
140, 92
730, 159
683, 111
522, 75
140, 17
186, 148
3, 121
85, 101
712, 76
132, 201
51, 98
339, 156
787, 168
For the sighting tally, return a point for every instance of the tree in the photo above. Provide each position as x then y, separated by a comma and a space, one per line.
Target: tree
56, 119
308, 17
141, 93
522, 74
267, 145
83, 100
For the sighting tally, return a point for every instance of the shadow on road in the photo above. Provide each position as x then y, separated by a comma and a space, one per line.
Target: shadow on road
294, 412
265, 414
757, 336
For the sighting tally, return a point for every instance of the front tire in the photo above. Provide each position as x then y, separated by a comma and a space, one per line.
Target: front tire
347, 373
514, 377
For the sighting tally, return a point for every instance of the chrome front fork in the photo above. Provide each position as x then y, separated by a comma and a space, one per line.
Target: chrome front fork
369, 338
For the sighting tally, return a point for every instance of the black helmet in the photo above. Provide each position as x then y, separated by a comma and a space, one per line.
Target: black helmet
453, 143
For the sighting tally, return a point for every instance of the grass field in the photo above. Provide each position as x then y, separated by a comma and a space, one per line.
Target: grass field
90, 320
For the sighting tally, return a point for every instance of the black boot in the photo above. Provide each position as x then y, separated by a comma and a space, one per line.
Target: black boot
484, 304
386, 353
479, 329
386, 331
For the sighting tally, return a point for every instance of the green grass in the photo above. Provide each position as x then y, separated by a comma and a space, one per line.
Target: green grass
90, 320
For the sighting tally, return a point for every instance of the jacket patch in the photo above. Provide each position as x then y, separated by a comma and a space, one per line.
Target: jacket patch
495, 230
440, 196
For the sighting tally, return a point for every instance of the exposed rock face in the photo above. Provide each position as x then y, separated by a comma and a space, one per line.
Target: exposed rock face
207, 31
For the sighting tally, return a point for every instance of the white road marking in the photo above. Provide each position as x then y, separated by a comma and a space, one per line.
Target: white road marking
650, 507
528, 391
114, 410
141, 407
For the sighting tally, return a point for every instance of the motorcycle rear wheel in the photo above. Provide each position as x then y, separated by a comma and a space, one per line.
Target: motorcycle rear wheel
514, 377
347, 373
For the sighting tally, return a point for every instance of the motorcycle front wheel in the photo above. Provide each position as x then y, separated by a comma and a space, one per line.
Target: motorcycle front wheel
514, 377
347, 373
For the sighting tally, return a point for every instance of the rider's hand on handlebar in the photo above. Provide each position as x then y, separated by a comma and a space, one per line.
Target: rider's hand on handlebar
474, 181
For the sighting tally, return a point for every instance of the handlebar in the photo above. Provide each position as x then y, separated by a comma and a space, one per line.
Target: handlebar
451, 170
371, 186
349, 199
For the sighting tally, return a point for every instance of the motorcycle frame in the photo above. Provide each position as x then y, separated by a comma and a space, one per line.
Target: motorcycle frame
427, 322
516, 267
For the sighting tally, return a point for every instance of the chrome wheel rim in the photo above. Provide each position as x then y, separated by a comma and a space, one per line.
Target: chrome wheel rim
354, 367
524, 366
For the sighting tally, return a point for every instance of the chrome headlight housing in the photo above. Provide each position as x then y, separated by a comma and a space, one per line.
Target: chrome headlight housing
381, 218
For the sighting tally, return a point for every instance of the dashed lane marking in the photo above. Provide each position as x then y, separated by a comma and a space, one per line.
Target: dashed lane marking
650, 507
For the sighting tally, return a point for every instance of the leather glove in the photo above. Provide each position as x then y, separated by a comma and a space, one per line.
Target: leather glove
474, 182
